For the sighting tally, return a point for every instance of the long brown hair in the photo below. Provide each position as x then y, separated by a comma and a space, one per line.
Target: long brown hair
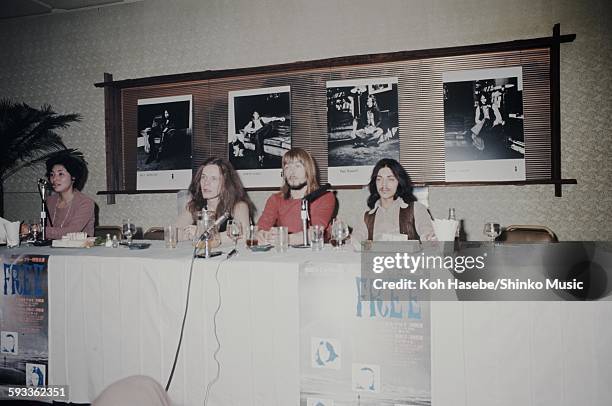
232, 191
302, 156
404, 183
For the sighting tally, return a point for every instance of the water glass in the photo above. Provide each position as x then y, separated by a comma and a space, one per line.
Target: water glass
170, 236
317, 234
129, 229
492, 230
34, 230
281, 239
340, 232
234, 230
251, 239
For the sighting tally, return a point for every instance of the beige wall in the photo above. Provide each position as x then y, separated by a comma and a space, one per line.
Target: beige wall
56, 59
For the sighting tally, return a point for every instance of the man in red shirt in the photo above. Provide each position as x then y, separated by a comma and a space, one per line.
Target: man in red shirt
283, 208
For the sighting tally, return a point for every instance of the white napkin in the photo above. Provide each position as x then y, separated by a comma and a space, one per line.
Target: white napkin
2, 230
12, 233
445, 229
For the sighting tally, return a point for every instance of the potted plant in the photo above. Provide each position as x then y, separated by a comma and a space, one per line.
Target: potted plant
28, 136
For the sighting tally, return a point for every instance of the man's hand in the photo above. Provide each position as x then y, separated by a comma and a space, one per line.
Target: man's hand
266, 236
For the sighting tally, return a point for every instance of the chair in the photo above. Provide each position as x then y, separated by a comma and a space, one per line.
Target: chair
133, 390
154, 233
528, 233
101, 231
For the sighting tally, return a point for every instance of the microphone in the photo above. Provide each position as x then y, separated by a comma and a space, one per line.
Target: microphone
217, 223
312, 196
43, 186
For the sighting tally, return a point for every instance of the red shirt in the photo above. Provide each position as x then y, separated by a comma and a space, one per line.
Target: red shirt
286, 212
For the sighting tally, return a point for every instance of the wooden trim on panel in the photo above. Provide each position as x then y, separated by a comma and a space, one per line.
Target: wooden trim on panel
135, 192
555, 107
517, 45
112, 134
349, 187
481, 183
556, 182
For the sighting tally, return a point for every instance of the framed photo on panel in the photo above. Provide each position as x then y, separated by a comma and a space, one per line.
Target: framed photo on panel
259, 133
164, 143
362, 127
483, 125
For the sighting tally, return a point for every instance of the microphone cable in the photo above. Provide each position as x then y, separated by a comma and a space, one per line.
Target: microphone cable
218, 349
178, 348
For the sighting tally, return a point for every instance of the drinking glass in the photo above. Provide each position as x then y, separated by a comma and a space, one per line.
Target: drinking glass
25, 231
129, 229
34, 230
339, 233
170, 236
281, 239
234, 231
316, 237
251, 240
492, 230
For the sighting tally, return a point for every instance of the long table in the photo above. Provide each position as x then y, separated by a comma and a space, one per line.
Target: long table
118, 312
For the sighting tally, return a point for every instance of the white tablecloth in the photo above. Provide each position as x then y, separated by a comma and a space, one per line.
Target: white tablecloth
116, 312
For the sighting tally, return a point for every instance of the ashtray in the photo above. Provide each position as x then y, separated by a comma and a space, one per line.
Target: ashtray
261, 248
139, 245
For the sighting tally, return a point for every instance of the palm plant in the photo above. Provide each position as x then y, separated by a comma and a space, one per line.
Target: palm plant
28, 136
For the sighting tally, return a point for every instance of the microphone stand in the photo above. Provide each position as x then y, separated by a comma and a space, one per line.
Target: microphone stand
207, 236
305, 218
42, 190
311, 197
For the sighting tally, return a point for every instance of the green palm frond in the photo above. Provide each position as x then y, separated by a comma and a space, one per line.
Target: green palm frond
28, 135
41, 158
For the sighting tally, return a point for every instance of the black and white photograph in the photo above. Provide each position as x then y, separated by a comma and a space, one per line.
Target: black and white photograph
9, 342
259, 133
483, 125
36, 375
362, 127
164, 142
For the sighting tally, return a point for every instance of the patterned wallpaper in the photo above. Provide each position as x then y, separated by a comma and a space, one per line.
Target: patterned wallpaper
56, 59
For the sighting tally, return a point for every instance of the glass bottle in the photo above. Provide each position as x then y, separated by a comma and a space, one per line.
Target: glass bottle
451, 216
